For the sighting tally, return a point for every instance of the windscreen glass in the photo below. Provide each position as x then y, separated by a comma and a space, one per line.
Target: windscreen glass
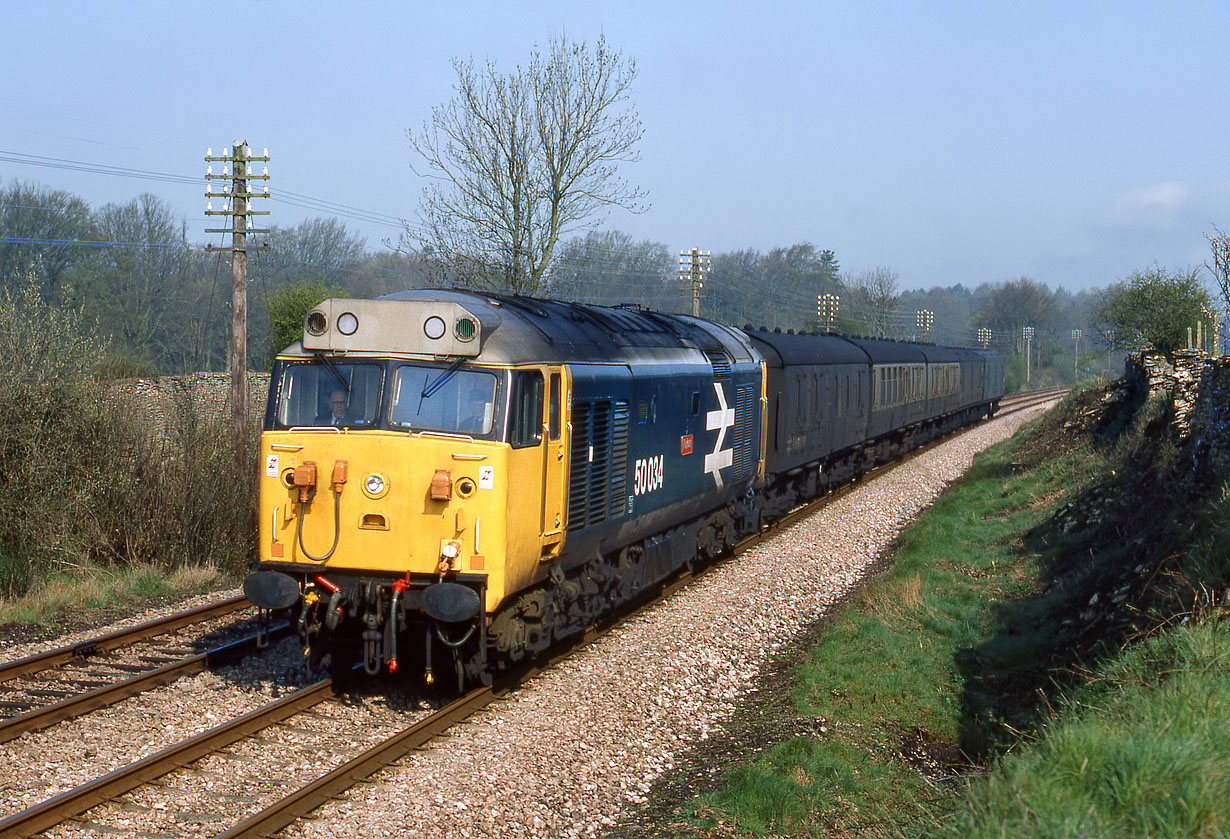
443, 399
337, 394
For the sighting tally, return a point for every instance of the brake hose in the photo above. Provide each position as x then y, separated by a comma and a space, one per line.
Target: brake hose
337, 530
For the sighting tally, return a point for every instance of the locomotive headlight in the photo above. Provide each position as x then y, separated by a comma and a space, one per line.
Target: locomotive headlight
374, 485
347, 323
317, 323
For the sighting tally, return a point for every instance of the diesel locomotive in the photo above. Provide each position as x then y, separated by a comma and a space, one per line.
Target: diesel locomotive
454, 480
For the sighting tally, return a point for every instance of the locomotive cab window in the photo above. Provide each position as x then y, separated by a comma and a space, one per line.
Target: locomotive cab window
525, 428
446, 399
334, 394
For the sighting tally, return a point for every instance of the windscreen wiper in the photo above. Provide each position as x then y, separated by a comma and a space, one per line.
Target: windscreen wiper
337, 374
429, 389
441, 380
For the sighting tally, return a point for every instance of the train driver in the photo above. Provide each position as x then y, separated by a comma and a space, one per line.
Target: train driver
338, 413
476, 420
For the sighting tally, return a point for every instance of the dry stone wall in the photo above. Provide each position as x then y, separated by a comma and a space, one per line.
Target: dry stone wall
168, 400
1198, 388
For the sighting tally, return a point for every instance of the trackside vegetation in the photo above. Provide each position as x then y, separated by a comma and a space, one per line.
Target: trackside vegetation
98, 503
1047, 653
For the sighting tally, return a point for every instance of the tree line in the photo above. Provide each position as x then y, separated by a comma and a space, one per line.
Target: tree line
163, 302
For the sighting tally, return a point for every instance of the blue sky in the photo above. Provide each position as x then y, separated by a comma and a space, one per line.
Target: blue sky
949, 141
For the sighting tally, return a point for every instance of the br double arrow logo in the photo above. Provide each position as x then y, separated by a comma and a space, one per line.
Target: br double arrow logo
719, 420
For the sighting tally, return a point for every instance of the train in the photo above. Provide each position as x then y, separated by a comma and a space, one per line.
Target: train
454, 480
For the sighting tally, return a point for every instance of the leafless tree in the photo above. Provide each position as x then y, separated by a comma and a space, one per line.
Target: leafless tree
517, 160
1219, 243
874, 299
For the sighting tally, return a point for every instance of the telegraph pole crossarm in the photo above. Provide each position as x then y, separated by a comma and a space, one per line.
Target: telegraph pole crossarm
827, 306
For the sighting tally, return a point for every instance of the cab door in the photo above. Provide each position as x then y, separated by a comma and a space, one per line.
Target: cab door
555, 463
538, 435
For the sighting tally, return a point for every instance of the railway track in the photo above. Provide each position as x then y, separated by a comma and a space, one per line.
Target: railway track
362, 763
66, 682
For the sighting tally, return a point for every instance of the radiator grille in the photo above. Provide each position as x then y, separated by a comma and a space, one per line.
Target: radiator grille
599, 466
745, 406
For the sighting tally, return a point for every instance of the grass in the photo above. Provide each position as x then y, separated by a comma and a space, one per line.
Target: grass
978, 687
77, 591
1142, 751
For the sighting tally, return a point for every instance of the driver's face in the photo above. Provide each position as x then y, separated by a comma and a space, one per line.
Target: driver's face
337, 404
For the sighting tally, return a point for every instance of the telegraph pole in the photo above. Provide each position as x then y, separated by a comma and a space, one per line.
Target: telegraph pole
1029, 342
826, 309
693, 266
235, 196
925, 319
1076, 356
984, 337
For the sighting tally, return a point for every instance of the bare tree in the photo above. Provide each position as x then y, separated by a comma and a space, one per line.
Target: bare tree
610, 267
519, 159
1220, 268
1011, 305
874, 299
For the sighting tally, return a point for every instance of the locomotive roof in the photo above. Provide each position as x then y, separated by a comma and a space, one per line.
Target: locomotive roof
505, 329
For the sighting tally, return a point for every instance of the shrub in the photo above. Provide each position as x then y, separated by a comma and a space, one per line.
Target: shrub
87, 478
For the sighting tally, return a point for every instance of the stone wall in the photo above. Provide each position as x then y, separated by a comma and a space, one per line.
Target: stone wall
204, 396
1198, 388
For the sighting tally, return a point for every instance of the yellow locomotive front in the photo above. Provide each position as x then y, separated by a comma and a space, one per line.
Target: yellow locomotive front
408, 486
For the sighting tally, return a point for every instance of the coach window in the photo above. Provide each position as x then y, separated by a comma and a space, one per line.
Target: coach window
553, 407
526, 426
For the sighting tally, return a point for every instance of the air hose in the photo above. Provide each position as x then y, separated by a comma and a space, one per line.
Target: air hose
337, 530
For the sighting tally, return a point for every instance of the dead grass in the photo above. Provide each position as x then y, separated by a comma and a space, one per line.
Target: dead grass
83, 589
890, 600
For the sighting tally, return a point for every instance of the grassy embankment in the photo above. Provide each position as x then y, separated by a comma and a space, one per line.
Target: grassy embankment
1047, 655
